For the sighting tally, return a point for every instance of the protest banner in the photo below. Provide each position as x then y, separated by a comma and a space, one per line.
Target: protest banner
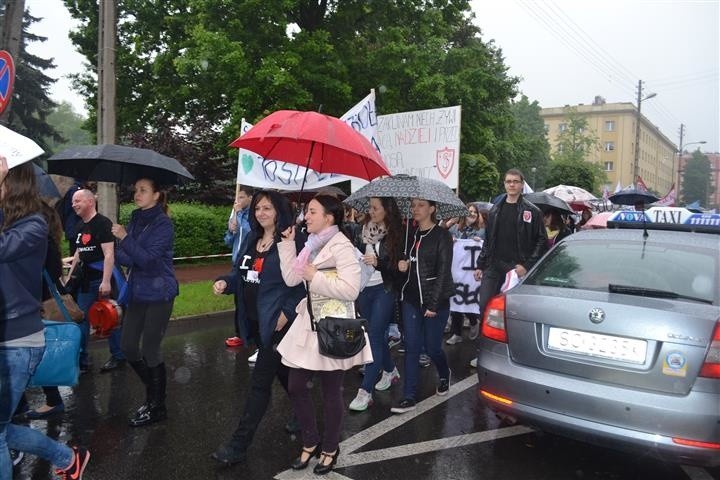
16, 148
464, 264
423, 143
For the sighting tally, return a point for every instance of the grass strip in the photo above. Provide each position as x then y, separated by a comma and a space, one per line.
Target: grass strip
197, 298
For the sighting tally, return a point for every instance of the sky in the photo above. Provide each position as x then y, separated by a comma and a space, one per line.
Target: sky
565, 52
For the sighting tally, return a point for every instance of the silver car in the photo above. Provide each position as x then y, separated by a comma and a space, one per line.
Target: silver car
613, 338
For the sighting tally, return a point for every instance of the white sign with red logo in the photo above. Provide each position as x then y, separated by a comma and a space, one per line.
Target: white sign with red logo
424, 143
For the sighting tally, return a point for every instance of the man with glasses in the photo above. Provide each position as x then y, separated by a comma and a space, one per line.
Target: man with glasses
515, 239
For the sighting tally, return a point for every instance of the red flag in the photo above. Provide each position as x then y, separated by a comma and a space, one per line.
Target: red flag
669, 199
640, 185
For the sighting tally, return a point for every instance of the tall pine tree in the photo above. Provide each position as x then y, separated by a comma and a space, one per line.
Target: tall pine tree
31, 103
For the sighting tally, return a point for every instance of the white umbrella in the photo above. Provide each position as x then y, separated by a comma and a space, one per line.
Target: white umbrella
571, 194
16, 148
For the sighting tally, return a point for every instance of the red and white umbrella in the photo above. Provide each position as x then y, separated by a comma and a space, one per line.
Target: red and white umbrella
571, 194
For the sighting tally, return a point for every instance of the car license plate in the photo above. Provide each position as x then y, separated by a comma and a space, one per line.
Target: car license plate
596, 345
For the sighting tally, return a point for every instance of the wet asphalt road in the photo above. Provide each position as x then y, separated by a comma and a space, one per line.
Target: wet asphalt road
453, 437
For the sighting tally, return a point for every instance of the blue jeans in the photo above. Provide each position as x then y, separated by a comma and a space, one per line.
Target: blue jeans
84, 301
376, 306
17, 364
421, 331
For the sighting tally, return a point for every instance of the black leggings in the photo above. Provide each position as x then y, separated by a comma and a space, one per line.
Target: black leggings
149, 322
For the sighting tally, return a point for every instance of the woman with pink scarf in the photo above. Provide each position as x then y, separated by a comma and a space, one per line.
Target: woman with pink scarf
326, 248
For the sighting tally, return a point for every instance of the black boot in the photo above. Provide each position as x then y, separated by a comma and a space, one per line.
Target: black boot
143, 371
155, 410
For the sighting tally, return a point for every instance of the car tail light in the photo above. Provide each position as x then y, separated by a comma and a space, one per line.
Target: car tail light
696, 443
494, 319
497, 398
711, 367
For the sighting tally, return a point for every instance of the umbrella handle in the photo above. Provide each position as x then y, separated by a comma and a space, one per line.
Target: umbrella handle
302, 186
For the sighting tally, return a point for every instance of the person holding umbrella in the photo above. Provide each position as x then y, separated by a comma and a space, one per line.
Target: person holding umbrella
146, 248
381, 240
555, 227
23, 245
326, 248
425, 299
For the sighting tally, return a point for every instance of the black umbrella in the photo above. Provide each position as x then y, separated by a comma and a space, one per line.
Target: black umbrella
545, 201
117, 164
46, 187
632, 196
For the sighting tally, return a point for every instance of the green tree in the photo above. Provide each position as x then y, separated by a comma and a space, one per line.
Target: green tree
70, 126
576, 141
31, 103
478, 178
572, 172
529, 142
697, 180
210, 63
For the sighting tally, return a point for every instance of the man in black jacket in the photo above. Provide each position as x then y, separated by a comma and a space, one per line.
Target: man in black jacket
515, 238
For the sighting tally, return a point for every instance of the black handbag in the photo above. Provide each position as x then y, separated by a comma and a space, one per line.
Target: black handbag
338, 337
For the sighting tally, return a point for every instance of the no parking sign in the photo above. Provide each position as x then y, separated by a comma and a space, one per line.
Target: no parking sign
7, 79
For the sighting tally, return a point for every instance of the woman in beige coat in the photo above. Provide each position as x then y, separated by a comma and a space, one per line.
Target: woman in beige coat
326, 248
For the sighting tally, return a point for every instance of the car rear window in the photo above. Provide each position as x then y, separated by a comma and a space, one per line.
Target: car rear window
593, 265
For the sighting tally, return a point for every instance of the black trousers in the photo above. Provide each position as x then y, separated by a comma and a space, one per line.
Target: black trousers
492, 280
267, 367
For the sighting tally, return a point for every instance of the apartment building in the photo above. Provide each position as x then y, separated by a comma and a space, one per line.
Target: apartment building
614, 125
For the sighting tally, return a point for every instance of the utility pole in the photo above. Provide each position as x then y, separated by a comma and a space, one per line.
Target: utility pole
640, 98
11, 35
107, 192
680, 154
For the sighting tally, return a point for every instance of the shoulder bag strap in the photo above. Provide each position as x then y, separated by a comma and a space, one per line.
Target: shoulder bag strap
313, 327
53, 289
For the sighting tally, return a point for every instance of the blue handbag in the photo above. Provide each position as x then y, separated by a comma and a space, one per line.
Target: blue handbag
60, 364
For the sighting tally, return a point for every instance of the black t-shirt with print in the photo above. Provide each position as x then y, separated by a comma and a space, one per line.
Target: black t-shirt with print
88, 240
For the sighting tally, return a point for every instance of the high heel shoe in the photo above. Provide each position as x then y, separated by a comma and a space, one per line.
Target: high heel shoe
298, 464
320, 468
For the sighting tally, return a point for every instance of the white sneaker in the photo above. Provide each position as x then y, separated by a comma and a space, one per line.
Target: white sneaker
473, 362
362, 401
454, 339
253, 358
387, 380
474, 331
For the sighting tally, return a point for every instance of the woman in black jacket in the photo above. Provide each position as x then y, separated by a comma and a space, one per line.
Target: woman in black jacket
381, 240
426, 299
266, 305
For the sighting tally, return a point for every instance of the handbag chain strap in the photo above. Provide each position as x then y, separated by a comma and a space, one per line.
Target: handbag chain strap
313, 324
53, 289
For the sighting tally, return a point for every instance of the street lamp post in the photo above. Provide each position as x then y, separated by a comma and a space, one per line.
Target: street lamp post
533, 170
640, 98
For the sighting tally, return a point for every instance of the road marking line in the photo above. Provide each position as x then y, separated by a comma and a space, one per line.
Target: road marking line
392, 453
696, 473
366, 436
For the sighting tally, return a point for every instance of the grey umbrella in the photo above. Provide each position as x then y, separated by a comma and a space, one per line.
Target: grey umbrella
403, 188
545, 201
117, 164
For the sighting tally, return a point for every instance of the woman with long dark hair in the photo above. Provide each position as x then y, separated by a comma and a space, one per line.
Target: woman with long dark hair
263, 299
381, 240
23, 245
146, 248
326, 248
425, 299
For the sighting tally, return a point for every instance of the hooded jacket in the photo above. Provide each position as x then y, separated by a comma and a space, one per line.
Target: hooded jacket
147, 250
23, 246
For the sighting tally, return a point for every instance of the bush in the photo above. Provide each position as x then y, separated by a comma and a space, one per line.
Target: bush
199, 229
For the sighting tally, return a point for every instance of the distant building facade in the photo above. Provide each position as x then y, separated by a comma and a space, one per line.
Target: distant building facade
614, 125
714, 172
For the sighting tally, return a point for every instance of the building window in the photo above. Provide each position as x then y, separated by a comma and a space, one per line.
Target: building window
609, 146
608, 166
610, 126
562, 127
560, 148
547, 128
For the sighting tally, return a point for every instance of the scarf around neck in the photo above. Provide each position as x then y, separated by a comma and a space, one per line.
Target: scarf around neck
373, 232
313, 245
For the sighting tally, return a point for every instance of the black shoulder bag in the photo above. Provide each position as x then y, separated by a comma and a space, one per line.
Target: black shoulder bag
338, 337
